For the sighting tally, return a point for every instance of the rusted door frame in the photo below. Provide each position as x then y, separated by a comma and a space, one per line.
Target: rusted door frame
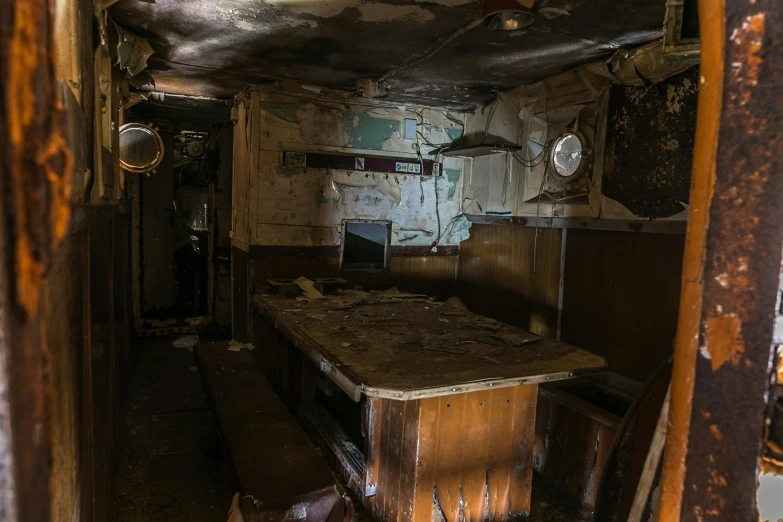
34, 175
724, 350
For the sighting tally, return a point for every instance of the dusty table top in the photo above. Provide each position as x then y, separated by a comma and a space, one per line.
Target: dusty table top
407, 346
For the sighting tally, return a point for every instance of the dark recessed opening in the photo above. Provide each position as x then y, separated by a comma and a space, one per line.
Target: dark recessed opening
690, 19
366, 245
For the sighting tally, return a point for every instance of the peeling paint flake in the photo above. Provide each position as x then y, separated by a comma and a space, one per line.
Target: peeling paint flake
364, 131
723, 340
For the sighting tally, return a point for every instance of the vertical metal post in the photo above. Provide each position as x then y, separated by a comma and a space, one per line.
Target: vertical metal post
724, 352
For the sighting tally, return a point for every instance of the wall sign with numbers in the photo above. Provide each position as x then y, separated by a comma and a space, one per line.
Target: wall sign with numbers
381, 164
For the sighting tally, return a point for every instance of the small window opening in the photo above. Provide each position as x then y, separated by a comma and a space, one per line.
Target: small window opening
366, 246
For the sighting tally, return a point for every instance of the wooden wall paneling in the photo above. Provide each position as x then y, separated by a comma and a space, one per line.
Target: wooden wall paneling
451, 438
84, 315
121, 306
605, 439
101, 370
442, 458
427, 461
87, 420
62, 336
554, 439
372, 439
409, 456
573, 426
431, 275
393, 433
269, 347
541, 431
292, 267
381, 502
497, 277
474, 454
571, 452
621, 297
521, 483
501, 433
588, 436
240, 305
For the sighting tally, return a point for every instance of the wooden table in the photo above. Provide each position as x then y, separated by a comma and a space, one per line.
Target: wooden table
451, 397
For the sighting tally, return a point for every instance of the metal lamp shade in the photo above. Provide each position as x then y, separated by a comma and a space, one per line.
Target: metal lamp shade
508, 15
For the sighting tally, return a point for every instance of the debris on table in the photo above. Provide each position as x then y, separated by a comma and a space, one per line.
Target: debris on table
235, 346
398, 342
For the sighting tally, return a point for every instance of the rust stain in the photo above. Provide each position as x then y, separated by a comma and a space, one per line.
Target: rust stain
715, 430
749, 38
41, 163
24, 64
723, 340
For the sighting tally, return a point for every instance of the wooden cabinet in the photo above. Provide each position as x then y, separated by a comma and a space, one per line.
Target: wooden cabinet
467, 456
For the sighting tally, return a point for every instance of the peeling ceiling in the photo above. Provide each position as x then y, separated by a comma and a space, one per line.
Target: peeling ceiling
217, 47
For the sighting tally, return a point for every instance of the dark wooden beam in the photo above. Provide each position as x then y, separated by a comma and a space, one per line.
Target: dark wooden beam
424, 251
613, 225
270, 251
724, 348
88, 216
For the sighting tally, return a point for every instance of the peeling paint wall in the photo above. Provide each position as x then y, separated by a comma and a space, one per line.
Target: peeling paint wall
640, 139
530, 117
306, 206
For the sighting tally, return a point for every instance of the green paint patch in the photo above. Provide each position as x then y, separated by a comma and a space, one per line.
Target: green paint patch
284, 111
452, 175
365, 132
454, 133
288, 172
462, 225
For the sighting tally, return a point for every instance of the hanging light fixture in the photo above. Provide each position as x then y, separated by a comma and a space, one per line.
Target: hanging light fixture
508, 15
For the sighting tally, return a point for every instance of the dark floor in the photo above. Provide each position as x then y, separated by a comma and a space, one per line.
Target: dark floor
172, 467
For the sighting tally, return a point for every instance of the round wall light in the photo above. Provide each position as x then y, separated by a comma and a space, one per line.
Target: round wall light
508, 15
141, 149
568, 156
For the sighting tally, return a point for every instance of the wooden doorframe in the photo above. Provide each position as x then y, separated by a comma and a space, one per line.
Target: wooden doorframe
724, 348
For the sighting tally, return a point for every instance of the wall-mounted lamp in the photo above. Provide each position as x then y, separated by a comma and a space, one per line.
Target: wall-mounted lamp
508, 15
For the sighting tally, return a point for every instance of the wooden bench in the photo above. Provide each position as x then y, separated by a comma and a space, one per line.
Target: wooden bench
281, 476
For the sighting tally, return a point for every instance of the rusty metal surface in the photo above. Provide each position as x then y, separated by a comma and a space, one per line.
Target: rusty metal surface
649, 149
215, 49
723, 359
34, 178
